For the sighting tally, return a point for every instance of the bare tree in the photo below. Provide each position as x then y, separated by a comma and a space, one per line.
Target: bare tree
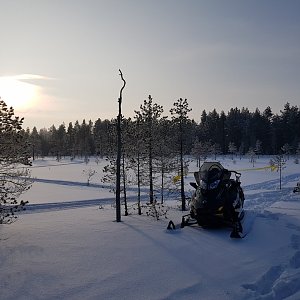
119, 154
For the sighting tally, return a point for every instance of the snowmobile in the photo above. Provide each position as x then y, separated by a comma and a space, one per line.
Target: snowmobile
297, 188
218, 199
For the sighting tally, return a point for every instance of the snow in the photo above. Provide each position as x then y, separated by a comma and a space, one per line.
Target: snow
67, 245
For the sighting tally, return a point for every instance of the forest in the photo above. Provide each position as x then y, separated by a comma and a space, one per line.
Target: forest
239, 132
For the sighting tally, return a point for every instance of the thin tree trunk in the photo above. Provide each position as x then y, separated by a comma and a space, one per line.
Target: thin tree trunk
124, 185
182, 180
151, 194
182, 171
280, 174
119, 153
162, 184
139, 184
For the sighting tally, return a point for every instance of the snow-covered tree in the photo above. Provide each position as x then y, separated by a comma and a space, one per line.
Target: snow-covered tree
109, 170
137, 160
149, 115
201, 150
89, 173
165, 162
297, 154
232, 149
179, 114
258, 147
14, 157
298, 149
278, 162
252, 156
287, 149
241, 150
216, 150
35, 143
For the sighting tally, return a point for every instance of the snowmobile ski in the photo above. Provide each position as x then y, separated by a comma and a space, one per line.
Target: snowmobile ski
171, 225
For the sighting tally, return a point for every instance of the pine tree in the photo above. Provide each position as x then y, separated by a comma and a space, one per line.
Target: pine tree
110, 168
298, 150
35, 143
70, 141
14, 156
252, 156
138, 156
258, 147
201, 150
232, 149
180, 116
165, 162
286, 150
149, 115
101, 135
279, 163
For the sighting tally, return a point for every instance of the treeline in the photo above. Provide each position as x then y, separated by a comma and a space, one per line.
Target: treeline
237, 132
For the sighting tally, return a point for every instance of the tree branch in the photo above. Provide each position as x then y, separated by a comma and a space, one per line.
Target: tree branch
124, 83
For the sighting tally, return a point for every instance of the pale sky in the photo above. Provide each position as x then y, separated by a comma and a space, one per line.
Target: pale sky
60, 58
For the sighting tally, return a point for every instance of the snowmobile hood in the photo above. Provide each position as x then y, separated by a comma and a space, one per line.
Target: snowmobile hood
209, 171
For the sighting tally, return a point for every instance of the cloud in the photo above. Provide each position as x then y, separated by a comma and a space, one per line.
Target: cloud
27, 77
25, 92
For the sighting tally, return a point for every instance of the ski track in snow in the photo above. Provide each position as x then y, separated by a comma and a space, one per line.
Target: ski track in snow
30, 208
257, 201
78, 183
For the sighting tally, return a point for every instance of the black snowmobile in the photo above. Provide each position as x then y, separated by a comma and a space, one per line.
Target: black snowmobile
218, 199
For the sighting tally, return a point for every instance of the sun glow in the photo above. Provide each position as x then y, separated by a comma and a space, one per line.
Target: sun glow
17, 93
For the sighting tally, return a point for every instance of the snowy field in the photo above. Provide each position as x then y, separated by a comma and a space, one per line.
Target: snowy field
68, 246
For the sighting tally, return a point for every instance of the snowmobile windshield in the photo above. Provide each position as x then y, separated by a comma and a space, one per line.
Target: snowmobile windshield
209, 172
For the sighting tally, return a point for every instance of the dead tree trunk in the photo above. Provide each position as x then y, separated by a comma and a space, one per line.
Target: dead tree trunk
119, 154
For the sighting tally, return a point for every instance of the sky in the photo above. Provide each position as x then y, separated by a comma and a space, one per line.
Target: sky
60, 59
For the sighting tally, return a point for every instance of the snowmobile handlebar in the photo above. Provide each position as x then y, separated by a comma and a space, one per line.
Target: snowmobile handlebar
236, 172
237, 175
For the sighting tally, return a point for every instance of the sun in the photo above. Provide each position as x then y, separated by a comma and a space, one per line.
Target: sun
16, 93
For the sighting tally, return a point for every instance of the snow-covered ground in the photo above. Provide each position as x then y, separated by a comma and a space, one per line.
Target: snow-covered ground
68, 246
